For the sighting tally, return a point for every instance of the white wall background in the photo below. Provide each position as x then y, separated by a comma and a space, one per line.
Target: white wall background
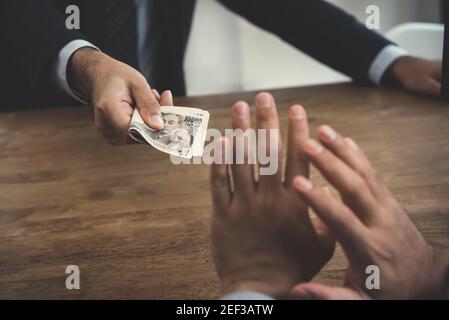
226, 53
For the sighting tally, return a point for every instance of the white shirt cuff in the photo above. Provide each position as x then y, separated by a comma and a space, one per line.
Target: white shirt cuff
383, 61
62, 62
246, 295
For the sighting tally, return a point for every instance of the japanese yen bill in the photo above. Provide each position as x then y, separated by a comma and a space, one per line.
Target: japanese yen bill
183, 134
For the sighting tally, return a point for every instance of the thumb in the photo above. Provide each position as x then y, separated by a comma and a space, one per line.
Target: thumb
316, 291
147, 104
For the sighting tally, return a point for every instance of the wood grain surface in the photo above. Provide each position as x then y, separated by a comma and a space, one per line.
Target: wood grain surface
138, 226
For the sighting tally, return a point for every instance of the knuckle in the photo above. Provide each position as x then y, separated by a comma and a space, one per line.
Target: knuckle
139, 77
381, 250
367, 174
347, 217
101, 106
356, 187
340, 143
137, 81
375, 182
344, 222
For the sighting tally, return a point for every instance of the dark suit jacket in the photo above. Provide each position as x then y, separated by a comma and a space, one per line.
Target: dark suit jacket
33, 32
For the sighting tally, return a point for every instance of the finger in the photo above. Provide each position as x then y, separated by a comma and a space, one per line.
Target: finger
113, 121
345, 150
147, 104
270, 153
219, 180
243, 144
298, 134
120, 118
326, 240
156, 94
351, 154
342, 222
166, 98
352, 187
316, 291
319, 226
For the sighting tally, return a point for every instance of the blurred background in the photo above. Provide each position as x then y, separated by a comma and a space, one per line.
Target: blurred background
241, 57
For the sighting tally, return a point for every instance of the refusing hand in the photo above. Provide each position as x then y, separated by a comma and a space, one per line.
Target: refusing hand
371, 226
263, 238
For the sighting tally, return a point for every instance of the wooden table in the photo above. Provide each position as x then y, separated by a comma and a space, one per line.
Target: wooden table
138, 226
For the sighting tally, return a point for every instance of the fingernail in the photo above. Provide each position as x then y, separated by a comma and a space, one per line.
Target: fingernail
327, 133
265, 100
241, 110
313, 147
303, 184
352, 144
297, 112
170, 93
157, 120
156, 94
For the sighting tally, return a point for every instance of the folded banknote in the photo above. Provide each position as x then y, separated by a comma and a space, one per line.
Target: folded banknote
183, 134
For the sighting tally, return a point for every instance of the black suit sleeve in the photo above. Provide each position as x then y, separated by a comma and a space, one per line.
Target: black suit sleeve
318, 28
32, 34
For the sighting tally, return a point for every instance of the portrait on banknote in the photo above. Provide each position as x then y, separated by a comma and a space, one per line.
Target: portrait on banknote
183, 133
178, 132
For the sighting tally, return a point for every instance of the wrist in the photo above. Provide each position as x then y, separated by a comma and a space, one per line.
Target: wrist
399, 70
274, 290
81, 70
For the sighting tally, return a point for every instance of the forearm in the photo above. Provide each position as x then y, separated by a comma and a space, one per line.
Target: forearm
39, 34
320, 29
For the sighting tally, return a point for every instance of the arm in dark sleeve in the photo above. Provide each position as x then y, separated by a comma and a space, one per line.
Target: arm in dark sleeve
318, 28
32, 34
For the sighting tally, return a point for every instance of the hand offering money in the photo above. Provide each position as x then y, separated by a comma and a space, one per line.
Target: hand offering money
183, 134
